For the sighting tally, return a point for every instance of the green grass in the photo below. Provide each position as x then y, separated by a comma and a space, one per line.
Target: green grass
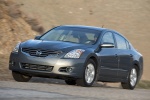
144, 84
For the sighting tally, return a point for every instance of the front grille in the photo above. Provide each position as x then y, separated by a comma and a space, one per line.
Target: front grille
36, 67
40, 52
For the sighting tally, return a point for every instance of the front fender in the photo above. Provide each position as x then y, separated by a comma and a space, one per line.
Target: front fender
90, 54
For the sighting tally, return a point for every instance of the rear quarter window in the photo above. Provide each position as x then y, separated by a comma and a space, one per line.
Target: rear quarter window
121, 42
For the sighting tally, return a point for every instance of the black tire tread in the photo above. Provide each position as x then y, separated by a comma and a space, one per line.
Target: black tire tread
70, 82
81, 82
19, 77
127, 84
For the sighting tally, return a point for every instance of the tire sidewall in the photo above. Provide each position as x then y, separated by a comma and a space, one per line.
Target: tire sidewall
88, 62
20, 77
130, 86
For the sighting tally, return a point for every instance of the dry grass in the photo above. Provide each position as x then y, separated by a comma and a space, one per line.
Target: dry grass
144, 84
34, 23
13, 28
12, 9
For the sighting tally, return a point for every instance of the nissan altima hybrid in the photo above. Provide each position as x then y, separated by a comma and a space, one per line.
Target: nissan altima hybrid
80, 55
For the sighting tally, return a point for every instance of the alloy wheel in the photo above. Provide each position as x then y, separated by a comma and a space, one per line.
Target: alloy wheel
133, 77
89, 73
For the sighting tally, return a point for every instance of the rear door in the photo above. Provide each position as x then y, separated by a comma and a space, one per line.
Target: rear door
124, 56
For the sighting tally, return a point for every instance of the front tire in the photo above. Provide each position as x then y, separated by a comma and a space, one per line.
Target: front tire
20, 77
132, 79
89, 74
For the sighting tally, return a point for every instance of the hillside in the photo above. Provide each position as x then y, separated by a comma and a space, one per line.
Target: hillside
129, 17
13, 29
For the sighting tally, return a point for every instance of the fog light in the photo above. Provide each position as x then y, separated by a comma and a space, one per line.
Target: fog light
69, 69
11, 63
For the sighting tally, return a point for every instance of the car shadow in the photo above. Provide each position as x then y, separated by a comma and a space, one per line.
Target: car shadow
62, 82
47, 80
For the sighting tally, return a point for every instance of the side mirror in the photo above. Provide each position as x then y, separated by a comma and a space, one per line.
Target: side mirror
37, 37
107, 45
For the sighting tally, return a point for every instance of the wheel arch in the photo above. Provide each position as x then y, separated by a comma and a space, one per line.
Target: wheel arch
139, 70
94, 57
95, 60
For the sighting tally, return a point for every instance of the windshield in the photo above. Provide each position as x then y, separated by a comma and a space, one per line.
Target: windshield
75, 35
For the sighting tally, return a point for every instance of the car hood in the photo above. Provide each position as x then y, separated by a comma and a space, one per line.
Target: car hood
53, 45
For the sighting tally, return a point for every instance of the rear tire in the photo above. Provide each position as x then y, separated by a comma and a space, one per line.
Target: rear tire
132, 79
89, 74
20, 77
70, 82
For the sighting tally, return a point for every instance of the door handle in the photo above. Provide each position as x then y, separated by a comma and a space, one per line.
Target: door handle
116, 55
131, 55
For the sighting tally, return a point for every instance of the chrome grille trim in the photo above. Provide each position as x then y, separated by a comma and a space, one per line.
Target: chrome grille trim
40, 52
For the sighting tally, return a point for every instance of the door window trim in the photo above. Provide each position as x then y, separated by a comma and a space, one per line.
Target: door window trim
115, 45
126, 41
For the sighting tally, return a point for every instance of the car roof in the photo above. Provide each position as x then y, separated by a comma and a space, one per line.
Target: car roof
83, 26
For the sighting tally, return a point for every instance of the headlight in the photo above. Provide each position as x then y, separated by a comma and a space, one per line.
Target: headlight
16, 48
74, 53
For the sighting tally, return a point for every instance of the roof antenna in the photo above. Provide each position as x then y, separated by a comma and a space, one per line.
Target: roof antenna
102, 26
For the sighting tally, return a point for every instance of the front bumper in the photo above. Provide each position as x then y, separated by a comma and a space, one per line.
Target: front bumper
76, 66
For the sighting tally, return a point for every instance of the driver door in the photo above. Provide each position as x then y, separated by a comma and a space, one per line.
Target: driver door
108, 57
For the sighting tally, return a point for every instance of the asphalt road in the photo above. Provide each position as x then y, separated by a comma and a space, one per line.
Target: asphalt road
57, 90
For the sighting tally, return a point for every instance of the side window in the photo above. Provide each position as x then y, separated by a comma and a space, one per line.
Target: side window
121, 42
127, 43
108, 38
